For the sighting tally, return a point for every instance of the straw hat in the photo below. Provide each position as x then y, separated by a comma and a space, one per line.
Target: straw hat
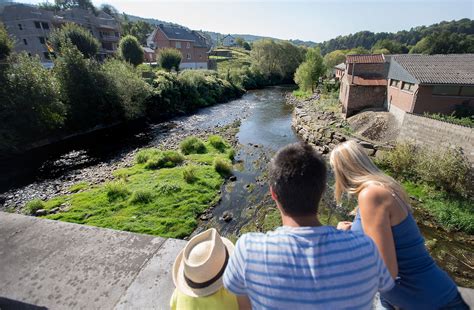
199, 267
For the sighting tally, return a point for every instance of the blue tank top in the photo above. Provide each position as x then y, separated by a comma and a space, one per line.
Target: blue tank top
421, 284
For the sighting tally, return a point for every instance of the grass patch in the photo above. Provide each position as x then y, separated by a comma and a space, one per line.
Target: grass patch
223, 167
78, 187
189, 174
34, 205
218, 143
301, 94
166, 159
158, 201
192, 145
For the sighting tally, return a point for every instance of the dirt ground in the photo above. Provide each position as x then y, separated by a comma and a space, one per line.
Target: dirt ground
375, 125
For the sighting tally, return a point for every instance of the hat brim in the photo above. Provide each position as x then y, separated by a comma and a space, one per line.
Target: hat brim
180, 282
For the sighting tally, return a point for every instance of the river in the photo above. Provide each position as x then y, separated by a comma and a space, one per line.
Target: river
265, 127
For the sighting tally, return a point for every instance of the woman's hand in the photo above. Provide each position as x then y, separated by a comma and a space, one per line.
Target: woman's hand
345, 225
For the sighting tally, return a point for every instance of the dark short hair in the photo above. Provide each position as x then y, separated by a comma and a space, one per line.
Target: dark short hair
298, 178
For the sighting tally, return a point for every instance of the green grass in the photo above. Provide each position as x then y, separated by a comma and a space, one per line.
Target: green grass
301, 94
192, 145
34, 205
152, 201
223, 166
451, 212
78, 187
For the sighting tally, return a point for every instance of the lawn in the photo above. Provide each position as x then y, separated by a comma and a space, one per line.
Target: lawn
162, 194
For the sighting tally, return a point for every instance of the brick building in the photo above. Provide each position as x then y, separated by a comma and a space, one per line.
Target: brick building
194, 47
339, 71
364, 83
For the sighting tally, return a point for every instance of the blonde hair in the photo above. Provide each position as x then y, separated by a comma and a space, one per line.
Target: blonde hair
354, 171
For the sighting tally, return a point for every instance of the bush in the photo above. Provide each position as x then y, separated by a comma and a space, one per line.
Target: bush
166, 159
222, 167
169, 59
6, 43
132, 89
192, 145
131, 51
116, 190
34, 205
141, 196
189, 174
80, 37
217, 142
401, 160
143, 155
30, 108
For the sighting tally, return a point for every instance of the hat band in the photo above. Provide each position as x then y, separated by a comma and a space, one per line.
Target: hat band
193, 284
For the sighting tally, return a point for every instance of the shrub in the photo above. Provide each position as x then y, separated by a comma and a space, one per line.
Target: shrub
169, 59
80, 37
192, 145
167, 189
189, 174
401, 160
131, 51
116, 190
143, 155
34, 205
6, 43
231, 154
217, 142
222, 167
141, 196
166, 159
132, 89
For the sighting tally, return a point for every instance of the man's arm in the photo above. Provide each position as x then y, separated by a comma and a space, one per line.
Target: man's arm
244, 302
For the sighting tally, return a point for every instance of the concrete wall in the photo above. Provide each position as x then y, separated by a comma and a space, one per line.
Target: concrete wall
434, 133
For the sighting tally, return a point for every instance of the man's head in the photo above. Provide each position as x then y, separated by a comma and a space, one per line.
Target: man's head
297, 179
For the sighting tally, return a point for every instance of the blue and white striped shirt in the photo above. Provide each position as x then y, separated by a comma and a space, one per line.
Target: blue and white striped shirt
308, 267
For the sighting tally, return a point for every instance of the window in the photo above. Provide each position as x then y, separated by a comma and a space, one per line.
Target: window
446, 90
200, 56
178, 44
408, 86
188, 45
394, 83
20, 26
38, 25
467, 91
42, 40
25, 42
45, 25
188, 56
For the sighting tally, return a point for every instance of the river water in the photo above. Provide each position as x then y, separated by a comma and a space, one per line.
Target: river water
265, 127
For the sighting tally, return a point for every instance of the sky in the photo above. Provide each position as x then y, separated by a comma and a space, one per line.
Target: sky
314, 20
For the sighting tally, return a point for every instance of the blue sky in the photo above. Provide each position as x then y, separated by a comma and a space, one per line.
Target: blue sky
315, 20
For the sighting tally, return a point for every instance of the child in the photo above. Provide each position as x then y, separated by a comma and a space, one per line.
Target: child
198, 271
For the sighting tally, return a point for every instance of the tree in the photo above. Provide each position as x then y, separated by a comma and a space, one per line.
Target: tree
445, 43
169, 58
308, 73
68, 4
239, 41
247, 46
6, 43
131, 51
334, 58
109, 9
392, 46
139, 29
85, 42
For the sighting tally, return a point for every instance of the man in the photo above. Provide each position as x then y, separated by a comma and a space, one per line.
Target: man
304, 264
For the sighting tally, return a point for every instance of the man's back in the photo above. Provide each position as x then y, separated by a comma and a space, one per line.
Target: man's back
308, 267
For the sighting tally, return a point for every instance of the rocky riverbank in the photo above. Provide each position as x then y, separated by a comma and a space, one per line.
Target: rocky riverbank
324, 128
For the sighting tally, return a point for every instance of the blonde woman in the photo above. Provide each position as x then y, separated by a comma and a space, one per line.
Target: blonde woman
384, 214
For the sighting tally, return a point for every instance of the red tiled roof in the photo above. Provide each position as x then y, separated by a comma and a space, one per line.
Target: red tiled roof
365, 59
369, 82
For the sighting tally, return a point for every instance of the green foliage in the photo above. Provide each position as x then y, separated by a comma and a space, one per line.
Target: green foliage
165, 159
116, 190
400, 160
145, 154
189, 174
34, 205
387, 46
141, 197
334, 58
445, 43
247, 46
139, 29
217, 142
464, 121
223, 167
6, 43
131, 89
69, 4
245, 77
29, 102
192, 145
131, 51
169, 59
158, 202
310, 71
85, 42
78, 187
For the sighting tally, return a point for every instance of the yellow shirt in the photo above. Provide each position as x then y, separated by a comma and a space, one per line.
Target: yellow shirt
222, 299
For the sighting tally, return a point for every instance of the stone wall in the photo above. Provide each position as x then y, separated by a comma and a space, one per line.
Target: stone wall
435, 133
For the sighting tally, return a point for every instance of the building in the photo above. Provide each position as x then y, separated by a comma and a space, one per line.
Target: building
194, 47
30, 27
430, 83
228, 40
364, 83
149, 54
339, 70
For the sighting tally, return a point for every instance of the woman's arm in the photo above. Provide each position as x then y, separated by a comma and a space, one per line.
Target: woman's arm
374, 211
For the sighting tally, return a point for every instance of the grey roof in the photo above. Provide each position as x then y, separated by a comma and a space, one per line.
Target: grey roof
436, 69
341, 66
181, 33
